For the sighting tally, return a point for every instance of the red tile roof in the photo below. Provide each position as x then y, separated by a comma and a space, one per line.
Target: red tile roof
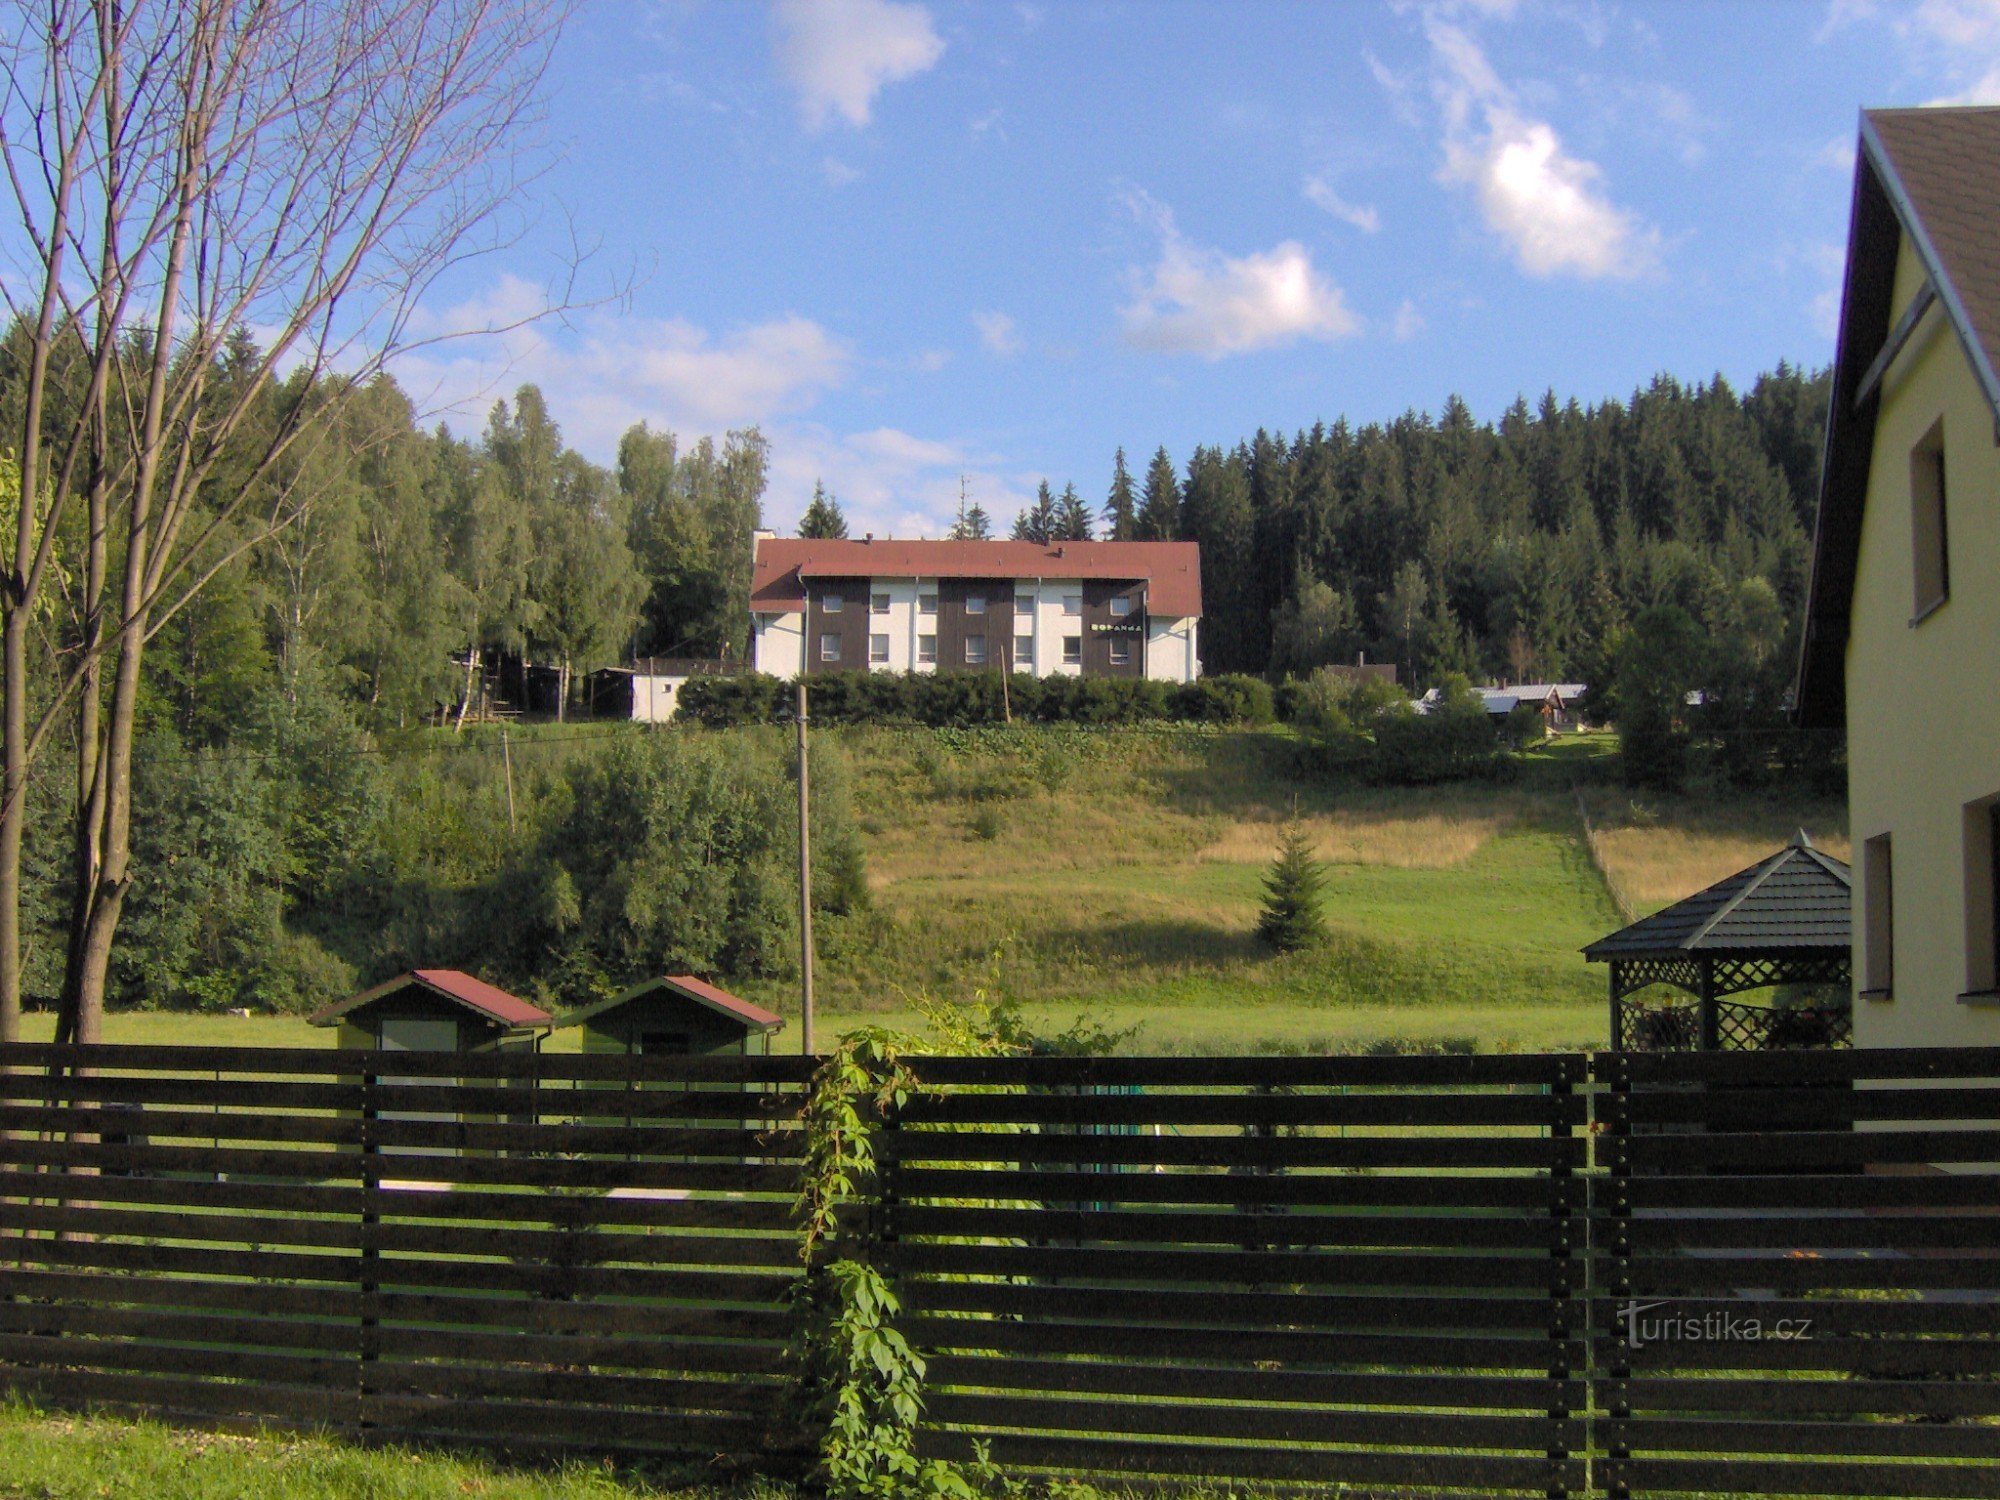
722, 1000
1172, 570
698, 990
475, 994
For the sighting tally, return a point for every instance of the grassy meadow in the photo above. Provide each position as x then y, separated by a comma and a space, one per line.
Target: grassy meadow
1116, 874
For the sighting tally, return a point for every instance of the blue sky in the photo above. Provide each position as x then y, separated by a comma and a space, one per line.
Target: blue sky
920, 241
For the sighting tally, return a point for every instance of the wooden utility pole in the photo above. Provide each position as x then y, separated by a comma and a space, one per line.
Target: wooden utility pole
507, 760
805, 887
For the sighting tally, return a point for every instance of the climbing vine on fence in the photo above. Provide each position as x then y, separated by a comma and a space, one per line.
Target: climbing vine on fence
860, 1382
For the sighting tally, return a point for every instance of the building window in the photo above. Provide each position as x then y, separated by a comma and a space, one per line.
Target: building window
879, 603
829, 648
1982, 896
1121, 653
927, 650
1024, 603
1930, 549
830, 603
1073, 604
1878, 937
1024, 652
878, 650
927, 604
1072, 650
975, 651
1121, 606
975, 604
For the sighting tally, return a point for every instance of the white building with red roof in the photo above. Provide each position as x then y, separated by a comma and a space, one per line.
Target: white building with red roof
1091, 609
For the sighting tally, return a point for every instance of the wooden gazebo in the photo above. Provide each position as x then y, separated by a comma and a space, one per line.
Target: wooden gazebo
1785, 920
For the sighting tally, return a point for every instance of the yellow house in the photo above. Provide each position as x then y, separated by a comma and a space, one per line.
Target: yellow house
1902, 639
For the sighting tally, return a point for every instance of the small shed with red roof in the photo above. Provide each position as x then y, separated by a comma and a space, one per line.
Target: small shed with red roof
434, 1010
676, 1015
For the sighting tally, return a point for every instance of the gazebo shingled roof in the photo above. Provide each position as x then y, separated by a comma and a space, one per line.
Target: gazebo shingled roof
1785, 920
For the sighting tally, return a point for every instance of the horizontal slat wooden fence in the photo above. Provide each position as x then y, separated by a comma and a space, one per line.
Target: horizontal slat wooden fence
1360, 1272
560, 1252
1447, 1276
1798, 1262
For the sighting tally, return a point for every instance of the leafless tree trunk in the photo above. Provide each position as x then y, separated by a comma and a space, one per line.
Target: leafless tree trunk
184, 171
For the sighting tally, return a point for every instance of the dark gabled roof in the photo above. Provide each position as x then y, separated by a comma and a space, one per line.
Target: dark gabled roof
1798, 900
1932, 175
754, 1017
476, 995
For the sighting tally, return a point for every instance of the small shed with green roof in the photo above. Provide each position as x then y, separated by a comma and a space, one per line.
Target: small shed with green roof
1786, 920
675, 1015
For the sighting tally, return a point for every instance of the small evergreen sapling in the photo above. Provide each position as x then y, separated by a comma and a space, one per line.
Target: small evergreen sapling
1291, 918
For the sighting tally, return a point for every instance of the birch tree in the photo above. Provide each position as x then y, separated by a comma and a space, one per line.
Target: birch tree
179, 173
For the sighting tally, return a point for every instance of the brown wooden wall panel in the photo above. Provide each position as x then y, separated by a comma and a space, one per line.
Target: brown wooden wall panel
1798, 1272
574, 1253
1149, 1269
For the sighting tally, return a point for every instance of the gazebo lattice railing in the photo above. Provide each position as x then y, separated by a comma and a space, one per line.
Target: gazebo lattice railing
1675, 1026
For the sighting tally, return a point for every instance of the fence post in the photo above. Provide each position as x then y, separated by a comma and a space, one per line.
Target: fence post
1611, 1258
368, 1346
1562, 1288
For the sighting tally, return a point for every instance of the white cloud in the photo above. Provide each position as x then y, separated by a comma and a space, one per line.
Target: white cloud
1320, 193
1195, 300
603, 371
1964, 37
930, 361
889, 482
839, 54
1955, 42
1548, 205
1409, 322
998, 333
1837, 155
838, 173
1827, 262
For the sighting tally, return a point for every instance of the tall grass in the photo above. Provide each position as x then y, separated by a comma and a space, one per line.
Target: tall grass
1657, 850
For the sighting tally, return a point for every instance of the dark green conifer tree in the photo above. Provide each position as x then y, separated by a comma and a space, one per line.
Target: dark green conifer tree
1121, 507
1159, 518
1291, 918
1072, 517
823, 520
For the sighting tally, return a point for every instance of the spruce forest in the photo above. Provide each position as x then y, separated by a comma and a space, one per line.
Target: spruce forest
311, 814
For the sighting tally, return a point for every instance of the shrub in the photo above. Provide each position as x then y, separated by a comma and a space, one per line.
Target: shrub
961, 700
1225, 700
724, 702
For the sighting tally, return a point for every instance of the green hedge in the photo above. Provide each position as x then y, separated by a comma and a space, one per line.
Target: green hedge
964, 698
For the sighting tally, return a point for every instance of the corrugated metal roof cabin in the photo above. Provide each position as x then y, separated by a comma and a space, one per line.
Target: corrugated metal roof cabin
676, 1015
434, 1010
